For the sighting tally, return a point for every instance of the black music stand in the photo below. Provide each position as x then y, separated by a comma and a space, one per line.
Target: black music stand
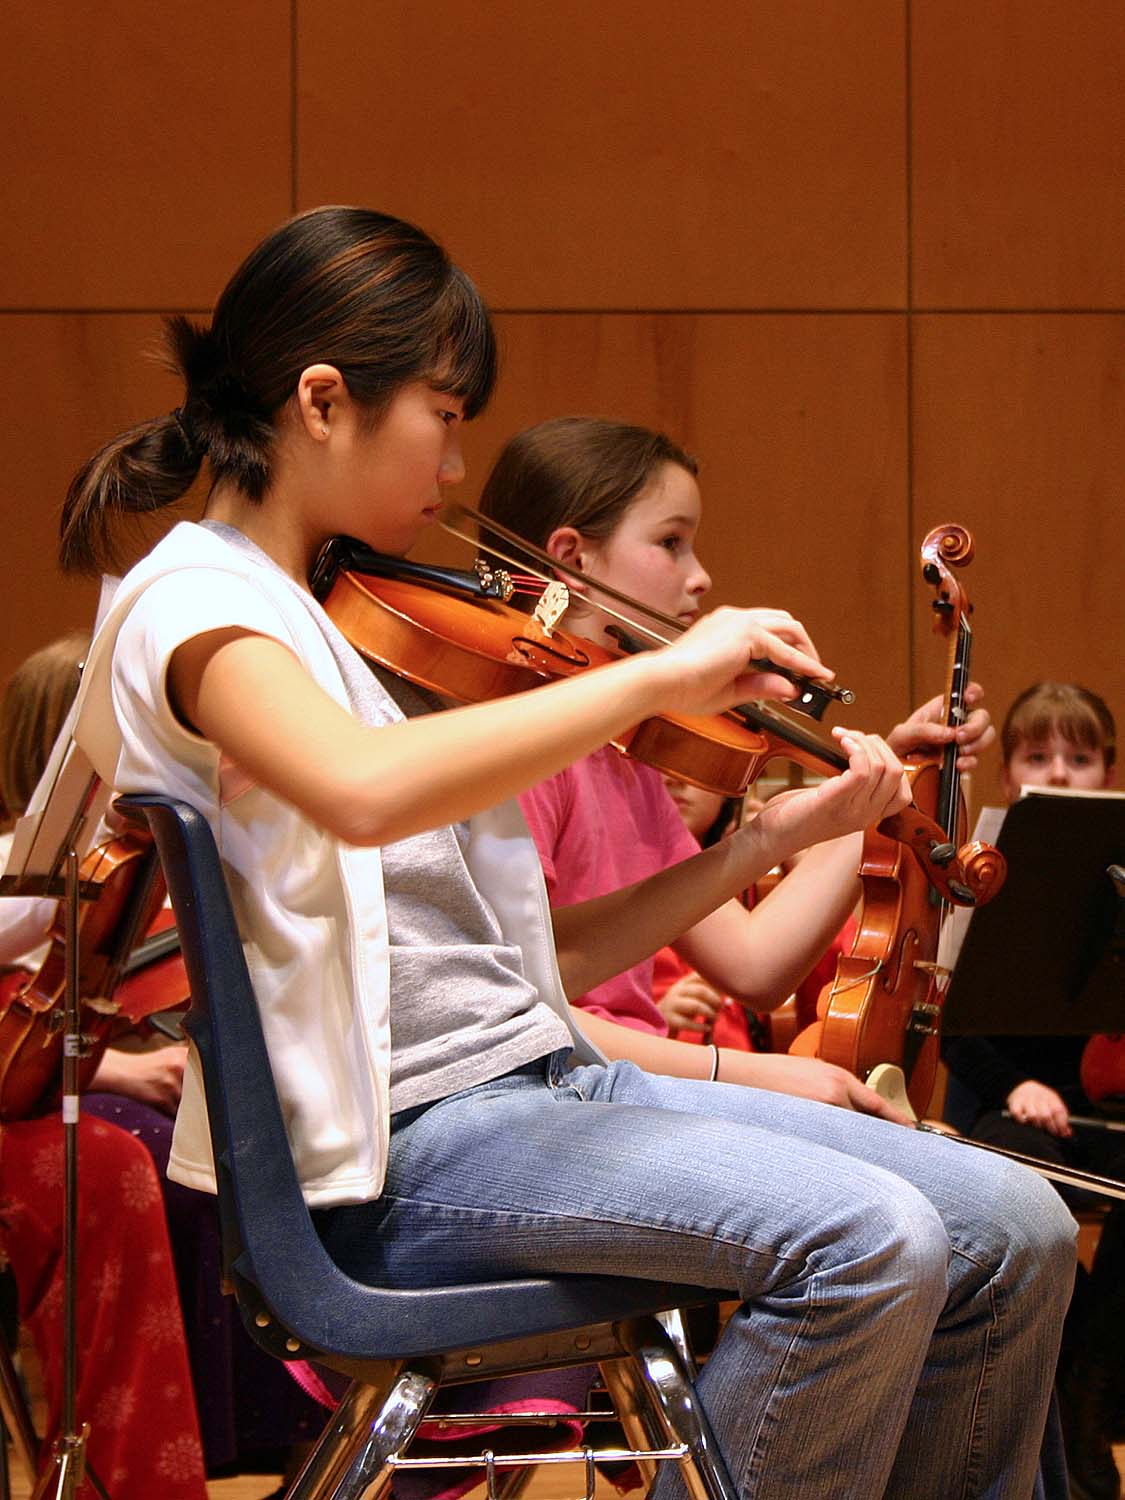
1046, 957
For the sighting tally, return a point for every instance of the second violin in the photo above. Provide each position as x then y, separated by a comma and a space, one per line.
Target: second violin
884, 1004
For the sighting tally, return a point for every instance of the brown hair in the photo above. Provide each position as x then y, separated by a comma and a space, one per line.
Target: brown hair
1074, 712
583, 472
369, 294
36, 702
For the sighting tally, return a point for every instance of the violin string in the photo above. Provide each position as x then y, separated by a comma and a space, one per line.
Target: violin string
639, 612
454, 512
608, 609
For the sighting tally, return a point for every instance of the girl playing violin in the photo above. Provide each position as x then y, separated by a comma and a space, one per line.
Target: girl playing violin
901, 1307
693, 1009
622, 504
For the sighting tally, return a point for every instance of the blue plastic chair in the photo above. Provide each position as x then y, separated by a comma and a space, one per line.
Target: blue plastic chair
396, 1346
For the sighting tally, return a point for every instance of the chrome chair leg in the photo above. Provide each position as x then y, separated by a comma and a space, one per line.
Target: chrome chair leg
666, 1381
511, 1483
675, 1326
398, 1419
347, 1432
633, 1407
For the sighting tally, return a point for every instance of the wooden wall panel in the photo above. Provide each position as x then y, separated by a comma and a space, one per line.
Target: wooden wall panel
1019, 153
1020, 434
145, 148
799, 424
68, 383
584, 155
738, 166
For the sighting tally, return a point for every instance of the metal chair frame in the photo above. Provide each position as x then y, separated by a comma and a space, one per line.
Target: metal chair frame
397, 1347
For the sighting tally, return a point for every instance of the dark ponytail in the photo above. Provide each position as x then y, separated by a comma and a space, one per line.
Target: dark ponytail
371, 295
135, 473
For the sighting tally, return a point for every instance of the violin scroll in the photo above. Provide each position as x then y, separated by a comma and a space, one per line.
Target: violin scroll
946, 547
983, 868
951, 545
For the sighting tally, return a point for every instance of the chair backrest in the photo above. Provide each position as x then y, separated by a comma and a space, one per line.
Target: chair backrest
273, 1256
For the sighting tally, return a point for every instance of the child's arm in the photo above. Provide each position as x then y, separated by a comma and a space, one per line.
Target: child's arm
598, 938
758, 957
807, 1077
154, 1076
250, 696
690, 1004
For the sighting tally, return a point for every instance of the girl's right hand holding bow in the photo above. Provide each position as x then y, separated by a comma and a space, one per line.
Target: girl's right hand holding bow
709, 665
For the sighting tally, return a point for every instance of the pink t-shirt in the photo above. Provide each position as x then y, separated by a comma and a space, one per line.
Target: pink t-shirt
599, 825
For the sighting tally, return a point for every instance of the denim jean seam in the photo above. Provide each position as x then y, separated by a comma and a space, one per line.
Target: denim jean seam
523, 1216
973, 1257
755, 1457
973, 1457
559, 1084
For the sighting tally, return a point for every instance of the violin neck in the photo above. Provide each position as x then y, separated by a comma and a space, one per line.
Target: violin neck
949, 792
812, 750
134, 918
795, 728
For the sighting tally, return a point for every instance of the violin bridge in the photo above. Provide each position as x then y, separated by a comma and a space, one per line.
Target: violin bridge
554, 602
937, 972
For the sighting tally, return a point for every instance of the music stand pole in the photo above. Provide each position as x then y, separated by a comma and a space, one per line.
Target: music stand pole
70, 1446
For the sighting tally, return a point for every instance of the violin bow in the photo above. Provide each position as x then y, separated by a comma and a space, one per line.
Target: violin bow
662, 629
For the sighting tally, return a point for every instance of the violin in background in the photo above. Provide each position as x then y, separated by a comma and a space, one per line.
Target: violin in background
884, 1005
129, 968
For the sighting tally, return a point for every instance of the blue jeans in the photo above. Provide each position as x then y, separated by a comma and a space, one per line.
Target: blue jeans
902, 1294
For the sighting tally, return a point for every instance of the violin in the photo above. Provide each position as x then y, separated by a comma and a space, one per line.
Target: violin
122, 979
456, 633
885, 1002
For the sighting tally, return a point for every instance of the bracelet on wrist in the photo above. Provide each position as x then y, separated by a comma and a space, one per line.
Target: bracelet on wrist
714, 1074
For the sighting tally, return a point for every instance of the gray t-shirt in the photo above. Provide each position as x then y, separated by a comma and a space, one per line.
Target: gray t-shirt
462, 1011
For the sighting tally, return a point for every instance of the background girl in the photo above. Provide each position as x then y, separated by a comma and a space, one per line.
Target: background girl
144, 1434
622, 504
